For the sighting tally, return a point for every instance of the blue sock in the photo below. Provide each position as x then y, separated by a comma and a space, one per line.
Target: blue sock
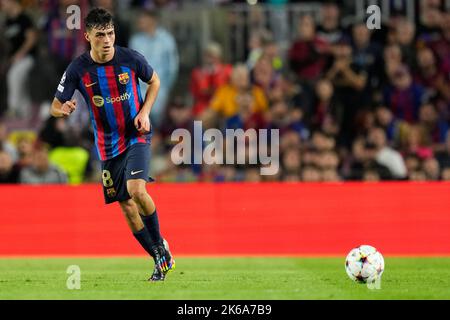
143, 237
152, 224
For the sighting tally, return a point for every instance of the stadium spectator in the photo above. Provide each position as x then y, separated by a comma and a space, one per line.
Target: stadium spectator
246, 117
417, 142
40, 171
290, 140
413, 163
363, 164
232, 99
393, 59
24, 150
290, 178
394, 128
436, 128
441, 45
72, 160
155, 4
309, 156
264, 76
231, 174
371, 175
321, 142
5, 145
366, 55
387, 156
324, 104
343, 70
443, 156
9, 172
63, 44
330, 175
445, 176
3, 69
405, 32
160, 161
291, 162
179, 116
271, 51
434, 78
296, 95
278, 117
307, 55
21, 36
158, 46
329, 29
256, 44
403, 96
298, 123
330, 126
54, 132
207, 78
429, 22
349, 82
328, 160
418, 176
252, 175
311, 173
261, 44
431, 169
364, 121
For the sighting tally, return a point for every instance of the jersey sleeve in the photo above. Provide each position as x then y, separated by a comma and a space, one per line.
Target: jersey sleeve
67, 85
143, 69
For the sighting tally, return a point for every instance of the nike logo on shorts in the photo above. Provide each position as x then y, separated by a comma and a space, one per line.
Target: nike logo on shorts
136, 172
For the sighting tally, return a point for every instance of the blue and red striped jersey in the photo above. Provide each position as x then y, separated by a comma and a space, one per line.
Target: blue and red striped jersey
113, 96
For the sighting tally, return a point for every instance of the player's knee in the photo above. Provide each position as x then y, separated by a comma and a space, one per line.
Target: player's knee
127, 206
137, 194
129, 210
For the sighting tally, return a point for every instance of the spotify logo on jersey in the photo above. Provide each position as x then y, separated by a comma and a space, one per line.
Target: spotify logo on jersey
123, 97
98, 101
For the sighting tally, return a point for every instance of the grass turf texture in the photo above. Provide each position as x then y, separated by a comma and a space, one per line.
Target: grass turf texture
221, 278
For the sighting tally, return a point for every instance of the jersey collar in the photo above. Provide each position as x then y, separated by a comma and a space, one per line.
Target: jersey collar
91, 61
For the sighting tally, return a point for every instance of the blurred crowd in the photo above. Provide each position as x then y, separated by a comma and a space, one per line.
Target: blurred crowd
349, 103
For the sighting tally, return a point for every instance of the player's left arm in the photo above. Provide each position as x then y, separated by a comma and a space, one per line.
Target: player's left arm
142, 120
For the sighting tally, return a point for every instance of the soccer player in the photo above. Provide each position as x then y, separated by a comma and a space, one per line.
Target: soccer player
108, 78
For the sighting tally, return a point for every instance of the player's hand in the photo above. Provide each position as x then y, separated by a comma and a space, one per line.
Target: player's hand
68, 107
142, 122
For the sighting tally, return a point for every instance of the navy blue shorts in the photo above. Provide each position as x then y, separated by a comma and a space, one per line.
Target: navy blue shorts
133, 163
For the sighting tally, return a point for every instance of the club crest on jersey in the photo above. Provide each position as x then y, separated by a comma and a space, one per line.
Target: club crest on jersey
124, 78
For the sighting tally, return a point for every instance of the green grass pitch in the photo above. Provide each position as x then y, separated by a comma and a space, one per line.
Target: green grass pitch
221, 278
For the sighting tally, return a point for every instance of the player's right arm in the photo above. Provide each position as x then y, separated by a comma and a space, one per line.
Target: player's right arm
63, 104
59, 109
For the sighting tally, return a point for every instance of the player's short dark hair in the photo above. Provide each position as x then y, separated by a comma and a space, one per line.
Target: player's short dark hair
98, 18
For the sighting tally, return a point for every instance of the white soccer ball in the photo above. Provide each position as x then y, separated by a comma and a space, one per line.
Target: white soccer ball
364, 264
